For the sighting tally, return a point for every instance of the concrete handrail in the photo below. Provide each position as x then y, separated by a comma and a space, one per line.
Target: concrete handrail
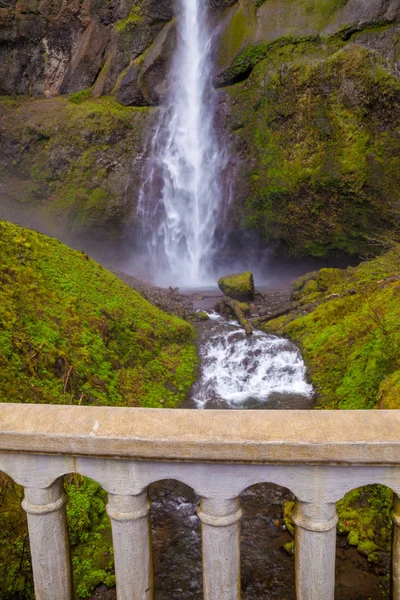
285, 436
318, 455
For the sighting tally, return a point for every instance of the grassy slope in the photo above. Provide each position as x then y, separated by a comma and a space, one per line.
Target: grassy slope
70, 332
348, 325
350, 333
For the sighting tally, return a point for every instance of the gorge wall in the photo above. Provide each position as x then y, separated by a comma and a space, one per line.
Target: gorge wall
309, 104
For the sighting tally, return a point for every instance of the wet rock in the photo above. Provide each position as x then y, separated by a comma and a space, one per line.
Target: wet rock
145, 81
239, 286
128, 91
201, 315
63, 47
87, 60
159, 9
222, 3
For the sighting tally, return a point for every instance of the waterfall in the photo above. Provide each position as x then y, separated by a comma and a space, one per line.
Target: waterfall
180, 199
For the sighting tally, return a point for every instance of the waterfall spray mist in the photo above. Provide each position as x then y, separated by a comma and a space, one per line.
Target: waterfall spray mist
180, 199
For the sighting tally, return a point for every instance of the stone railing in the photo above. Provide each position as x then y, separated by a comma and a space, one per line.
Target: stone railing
318, 455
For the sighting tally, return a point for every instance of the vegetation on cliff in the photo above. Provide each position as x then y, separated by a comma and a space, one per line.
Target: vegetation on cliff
312, 118
347, 324
322, 174
73, 160
71, 332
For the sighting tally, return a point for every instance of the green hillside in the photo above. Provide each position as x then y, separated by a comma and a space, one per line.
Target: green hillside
71, 332
348, 325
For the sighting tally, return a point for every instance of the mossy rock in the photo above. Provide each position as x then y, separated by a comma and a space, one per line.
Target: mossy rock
318, 170
239, 286
201, 315
67, 158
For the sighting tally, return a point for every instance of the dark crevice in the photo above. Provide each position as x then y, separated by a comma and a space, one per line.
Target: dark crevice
224, 80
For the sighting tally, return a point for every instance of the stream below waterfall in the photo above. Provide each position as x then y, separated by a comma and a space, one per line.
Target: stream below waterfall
239, 372
247, 372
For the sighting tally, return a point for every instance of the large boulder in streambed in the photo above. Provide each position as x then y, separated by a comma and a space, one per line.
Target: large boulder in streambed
239, 286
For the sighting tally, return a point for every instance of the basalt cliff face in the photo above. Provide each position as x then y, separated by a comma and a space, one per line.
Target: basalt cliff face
309, 106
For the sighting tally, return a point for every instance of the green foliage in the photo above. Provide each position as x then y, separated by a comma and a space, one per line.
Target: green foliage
132, 20
90, 537
72, 333
365, 516
252, 54
350, 335
15, 567
80, 96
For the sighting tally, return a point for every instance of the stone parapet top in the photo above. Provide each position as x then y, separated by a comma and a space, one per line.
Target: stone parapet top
270, 437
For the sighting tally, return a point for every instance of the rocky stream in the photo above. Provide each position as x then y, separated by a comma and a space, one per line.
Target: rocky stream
258, 361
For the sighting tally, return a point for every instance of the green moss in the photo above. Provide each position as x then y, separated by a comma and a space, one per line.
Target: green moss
71, 331
238, 285
252, 54
239, 30
80, 96
324, 178
68, 163
365, 517
288, 509
289, 547
132, 20
201, 315
351, 335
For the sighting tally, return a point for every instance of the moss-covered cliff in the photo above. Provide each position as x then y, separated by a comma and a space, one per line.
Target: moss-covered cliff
72, 161
314, 114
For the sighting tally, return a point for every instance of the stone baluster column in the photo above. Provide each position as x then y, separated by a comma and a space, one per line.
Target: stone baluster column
315, 549
220, 521
48, 536
396, 549
132, 545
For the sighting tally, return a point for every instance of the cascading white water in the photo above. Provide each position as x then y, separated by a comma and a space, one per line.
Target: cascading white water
180, 199
261, 371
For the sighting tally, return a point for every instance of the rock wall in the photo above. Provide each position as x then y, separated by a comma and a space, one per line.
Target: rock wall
56, 47
309, 103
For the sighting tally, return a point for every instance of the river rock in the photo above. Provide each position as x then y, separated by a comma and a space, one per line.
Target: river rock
239, 286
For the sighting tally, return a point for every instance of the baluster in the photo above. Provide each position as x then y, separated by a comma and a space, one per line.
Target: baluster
315, 549
221, 548
48, 536
396, 549
132, 545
